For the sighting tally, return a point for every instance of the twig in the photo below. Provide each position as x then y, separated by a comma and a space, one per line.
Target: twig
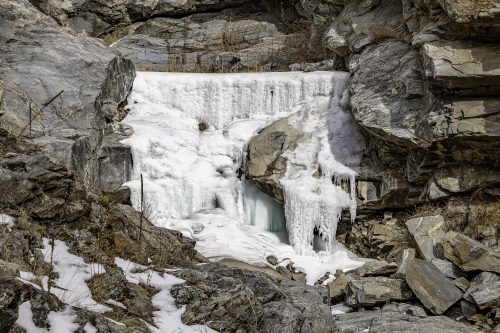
40, 112
142, 207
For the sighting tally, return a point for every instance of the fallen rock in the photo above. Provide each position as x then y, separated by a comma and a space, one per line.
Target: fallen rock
428, 233
468, 310
478, 281
487, 295
376, 268
239, 264
408, 255
396, 318
470, 255
462, 283
449, 269
299, 277
338, 286
376, 290
431, 286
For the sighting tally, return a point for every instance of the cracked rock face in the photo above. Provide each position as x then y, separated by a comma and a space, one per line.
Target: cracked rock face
39, 60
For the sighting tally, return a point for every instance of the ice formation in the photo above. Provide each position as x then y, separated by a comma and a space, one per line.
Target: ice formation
190, 135
320, 179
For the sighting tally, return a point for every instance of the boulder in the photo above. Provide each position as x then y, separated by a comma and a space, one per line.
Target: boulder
370, 291
431, 286
487, 295
470, 255
338, 286
462, 283
449, 269
398, 318
376, 268
284, 272
469, 310
408, 255
428, 233
478, 281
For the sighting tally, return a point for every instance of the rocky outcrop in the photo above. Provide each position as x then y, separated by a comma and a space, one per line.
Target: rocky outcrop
233, 298
63, 92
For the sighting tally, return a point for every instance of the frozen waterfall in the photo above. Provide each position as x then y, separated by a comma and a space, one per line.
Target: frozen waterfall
190, 135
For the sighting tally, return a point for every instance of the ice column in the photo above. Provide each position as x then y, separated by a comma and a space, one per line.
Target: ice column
320, 179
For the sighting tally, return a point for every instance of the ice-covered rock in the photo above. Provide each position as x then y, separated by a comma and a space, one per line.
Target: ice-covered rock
194, 176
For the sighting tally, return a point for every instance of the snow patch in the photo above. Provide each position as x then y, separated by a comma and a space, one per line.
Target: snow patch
73, 272
7, 221
340, 309
60, 322
168, 316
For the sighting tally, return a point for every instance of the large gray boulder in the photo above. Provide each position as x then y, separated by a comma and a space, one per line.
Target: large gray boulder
398, 318
431, 286
39, 59
428, 233
487, 295
370, 291
470, 255
265, 165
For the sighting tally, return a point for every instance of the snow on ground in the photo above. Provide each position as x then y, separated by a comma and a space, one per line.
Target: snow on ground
60, 322
168, 317
7, 221
70, 286
191, 177
340, 309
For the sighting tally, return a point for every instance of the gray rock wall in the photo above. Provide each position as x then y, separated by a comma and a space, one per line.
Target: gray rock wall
39, 60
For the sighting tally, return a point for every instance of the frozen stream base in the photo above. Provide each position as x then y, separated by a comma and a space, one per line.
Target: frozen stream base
190, 135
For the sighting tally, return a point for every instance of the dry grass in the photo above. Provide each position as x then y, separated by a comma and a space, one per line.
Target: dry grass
379, 35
